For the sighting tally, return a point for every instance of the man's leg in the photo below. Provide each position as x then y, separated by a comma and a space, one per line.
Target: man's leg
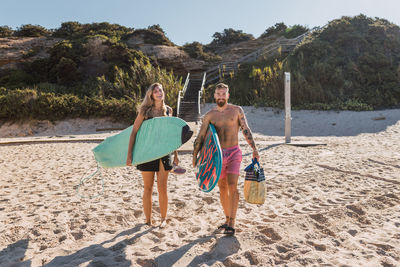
232, 180
224, 197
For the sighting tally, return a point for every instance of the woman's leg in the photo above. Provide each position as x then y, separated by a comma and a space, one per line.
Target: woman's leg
162, 181
148, 181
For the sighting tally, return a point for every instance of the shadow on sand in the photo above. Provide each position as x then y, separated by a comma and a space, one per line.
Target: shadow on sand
14, 254
185, 256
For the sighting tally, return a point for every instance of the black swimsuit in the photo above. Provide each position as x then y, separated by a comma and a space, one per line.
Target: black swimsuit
154, 166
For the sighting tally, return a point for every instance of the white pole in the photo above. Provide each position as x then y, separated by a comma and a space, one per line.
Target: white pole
288, 117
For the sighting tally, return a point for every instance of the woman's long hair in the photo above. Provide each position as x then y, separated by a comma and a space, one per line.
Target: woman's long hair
146, 108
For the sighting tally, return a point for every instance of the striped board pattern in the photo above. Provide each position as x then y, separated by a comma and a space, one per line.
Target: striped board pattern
209, 162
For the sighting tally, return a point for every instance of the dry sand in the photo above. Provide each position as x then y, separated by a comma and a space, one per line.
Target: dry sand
332, 205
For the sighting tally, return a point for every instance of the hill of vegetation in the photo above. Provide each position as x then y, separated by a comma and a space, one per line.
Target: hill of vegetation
351, 63
90, 72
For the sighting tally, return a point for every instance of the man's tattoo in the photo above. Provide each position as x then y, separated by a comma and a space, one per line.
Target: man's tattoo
249, 137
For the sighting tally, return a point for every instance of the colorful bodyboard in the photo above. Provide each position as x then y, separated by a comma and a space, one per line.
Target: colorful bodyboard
209, 162
156, 138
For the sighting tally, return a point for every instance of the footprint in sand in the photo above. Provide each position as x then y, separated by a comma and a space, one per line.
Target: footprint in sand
251, 257
271, 233
209, 200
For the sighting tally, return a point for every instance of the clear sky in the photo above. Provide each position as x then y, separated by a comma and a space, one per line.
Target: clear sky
185, 21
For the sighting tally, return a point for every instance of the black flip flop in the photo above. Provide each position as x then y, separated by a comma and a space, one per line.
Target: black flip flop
222, 226
229, 230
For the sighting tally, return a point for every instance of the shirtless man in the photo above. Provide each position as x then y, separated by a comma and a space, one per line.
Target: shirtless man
227, 119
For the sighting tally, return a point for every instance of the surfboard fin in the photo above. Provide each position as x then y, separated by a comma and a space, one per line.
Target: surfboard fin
186, 134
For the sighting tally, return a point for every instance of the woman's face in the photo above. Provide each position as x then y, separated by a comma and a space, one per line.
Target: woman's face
158, 94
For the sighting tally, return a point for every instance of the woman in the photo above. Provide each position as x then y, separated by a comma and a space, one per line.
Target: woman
153, 106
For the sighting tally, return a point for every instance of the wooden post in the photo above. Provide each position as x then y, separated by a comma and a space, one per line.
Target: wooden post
288, 118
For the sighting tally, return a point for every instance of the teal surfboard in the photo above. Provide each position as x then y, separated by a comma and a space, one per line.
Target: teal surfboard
156, 138
209, 162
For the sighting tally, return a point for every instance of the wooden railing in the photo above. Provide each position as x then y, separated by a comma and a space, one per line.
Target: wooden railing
215, 73
182, 93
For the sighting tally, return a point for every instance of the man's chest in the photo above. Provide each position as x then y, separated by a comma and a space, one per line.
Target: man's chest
224, 120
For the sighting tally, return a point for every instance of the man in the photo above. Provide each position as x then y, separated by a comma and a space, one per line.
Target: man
227, 119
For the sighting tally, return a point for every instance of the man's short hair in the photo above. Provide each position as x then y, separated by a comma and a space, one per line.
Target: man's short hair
222, 85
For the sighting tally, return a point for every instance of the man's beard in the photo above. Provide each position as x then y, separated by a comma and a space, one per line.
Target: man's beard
221, 102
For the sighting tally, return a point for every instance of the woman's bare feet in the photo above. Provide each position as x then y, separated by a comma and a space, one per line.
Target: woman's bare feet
163, 223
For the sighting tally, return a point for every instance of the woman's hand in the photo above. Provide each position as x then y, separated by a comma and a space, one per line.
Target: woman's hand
129, 161
176, 161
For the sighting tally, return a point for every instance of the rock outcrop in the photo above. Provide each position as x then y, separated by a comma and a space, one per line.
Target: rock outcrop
169, 57
15, 50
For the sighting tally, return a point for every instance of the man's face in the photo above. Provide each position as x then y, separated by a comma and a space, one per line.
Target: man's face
221, 96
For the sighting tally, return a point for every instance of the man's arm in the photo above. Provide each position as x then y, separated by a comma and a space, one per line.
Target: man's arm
200, 137
247, 133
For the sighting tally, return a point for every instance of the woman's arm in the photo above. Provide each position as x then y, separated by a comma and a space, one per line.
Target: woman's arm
176, 159
136, 125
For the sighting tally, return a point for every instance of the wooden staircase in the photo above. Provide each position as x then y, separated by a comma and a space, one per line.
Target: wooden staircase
190, 96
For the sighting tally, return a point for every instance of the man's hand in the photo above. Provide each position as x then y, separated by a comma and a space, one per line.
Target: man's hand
256, 155
194, 161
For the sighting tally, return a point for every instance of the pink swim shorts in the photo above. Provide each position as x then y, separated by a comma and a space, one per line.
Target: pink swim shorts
232, 157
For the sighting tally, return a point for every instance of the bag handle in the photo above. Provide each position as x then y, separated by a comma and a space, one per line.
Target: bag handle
255, 161
251, 166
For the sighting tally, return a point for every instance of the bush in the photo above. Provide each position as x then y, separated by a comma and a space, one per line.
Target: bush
15, 78
76, 30
30, 104
68, 29
67, 71
5, 31
152, 35
230, 36
29, 30
278, 28
196, 50
133, 83
295, 31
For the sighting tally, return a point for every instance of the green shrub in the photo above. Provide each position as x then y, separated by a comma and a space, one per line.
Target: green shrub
76, 30
295, 31
30, 104
31, 52
5, 31
278, 28
229, 36
29, 30
68, 29
196, 50
15, 78
152, 35
67, 71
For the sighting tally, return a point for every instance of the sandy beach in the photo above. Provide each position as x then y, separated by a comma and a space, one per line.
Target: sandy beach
336, 204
